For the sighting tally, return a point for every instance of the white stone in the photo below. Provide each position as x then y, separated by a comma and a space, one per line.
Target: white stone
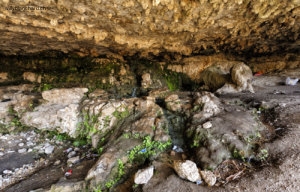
29, 143
143, 175
207, 125
23, 150
73, 160
7, 172
290, 81
1, 154
50, 116
72, 154
21, 144
49, 149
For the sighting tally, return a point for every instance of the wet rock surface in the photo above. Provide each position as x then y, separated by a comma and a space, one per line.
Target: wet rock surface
232, 134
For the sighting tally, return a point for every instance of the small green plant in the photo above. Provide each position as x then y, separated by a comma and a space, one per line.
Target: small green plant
153, 127
136, 135
15, 124
100, 150
46, 87
88, 127
58, 136
120, 174
263, 154
79, 142
121, 114
199, 139
238, 154
147, 149
97, 189
126, 135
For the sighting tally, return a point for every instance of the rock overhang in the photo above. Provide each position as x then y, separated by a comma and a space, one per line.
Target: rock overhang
169, 28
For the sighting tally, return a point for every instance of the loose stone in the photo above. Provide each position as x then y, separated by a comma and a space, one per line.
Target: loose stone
187, 170
207, 125
209, 177
72, 154
7, 172
23, 150
21, 144
57, 162
143, 175
73, 160
49, 149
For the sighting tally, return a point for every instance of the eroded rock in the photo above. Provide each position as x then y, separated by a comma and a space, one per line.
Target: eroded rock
187, 170
228, 77
60, 113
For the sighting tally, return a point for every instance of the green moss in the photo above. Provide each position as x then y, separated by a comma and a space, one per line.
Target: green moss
173, 80
121, 113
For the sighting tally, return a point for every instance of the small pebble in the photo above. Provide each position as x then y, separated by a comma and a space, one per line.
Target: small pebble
57, 162
73, 160
23, 150
49, 149
69, 150
7, 172
29, 143
1, 154
21, 144
207, 125
72, 154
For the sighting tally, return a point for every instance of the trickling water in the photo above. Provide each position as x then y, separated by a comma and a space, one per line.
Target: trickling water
175, 128
175, 124
134, 92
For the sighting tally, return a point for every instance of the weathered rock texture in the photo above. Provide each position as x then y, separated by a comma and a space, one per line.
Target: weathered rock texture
149, 27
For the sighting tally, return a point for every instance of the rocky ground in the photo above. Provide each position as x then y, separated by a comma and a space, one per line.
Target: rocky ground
250, 142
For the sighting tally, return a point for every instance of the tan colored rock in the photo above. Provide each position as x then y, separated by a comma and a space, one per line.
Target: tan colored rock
67, 186
148, 27
241, 75
146, 80
64, 96
32, 77
187, 170
209, 177
3, 76
228, 77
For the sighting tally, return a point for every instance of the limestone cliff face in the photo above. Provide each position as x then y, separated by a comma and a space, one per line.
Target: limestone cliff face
149, 27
